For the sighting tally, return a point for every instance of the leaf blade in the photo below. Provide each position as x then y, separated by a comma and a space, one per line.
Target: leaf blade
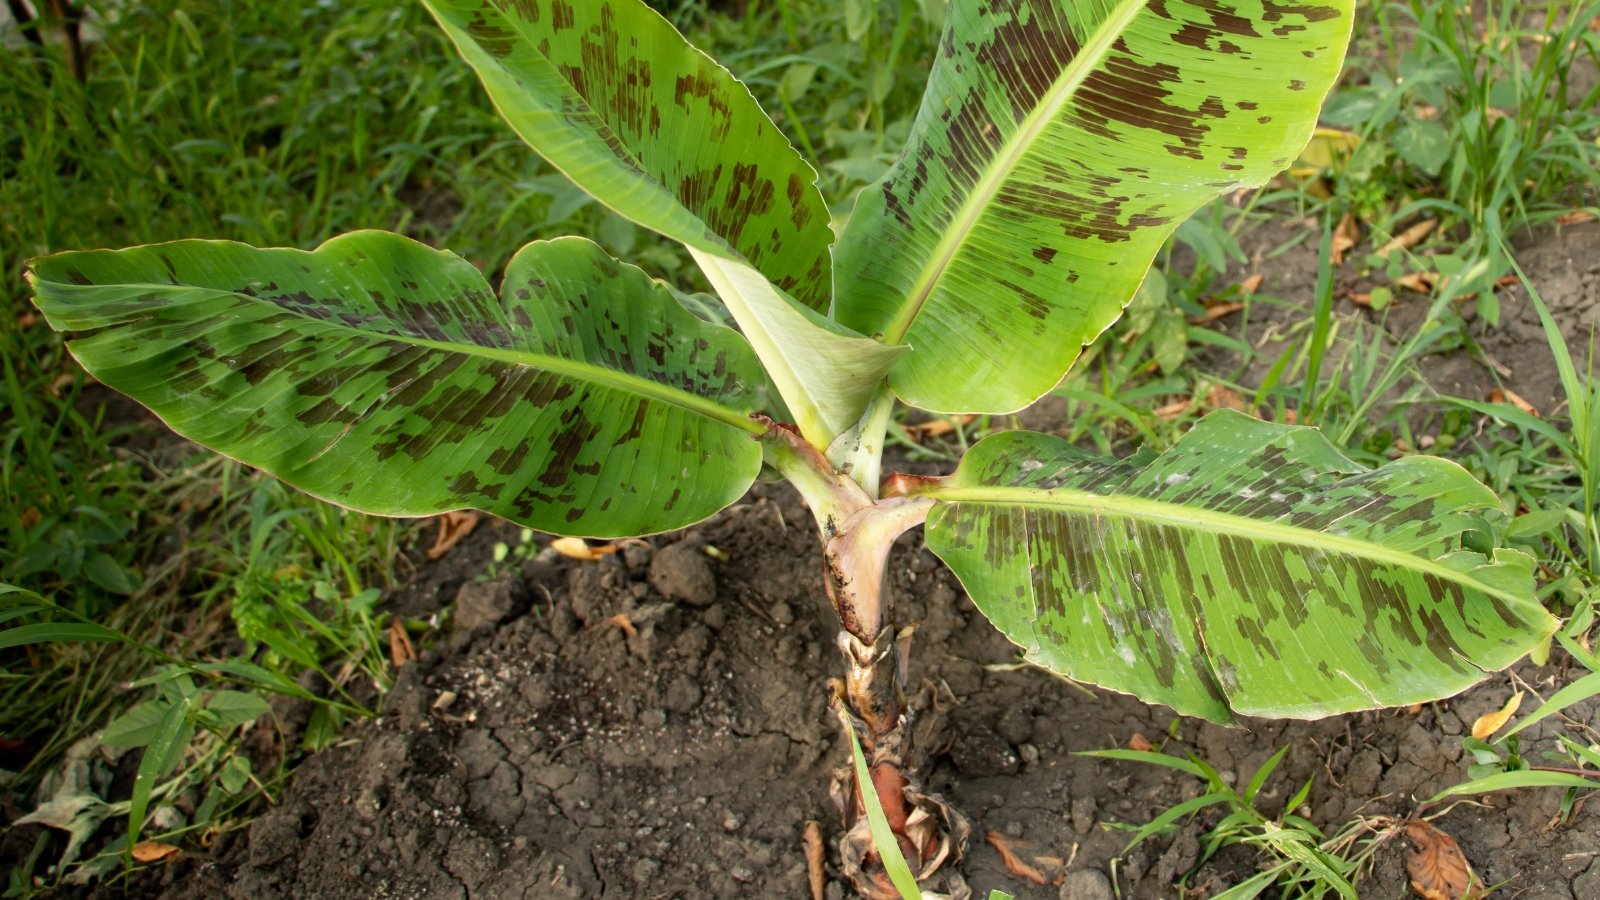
1249, 569
612, 95
380, 374
1059, 143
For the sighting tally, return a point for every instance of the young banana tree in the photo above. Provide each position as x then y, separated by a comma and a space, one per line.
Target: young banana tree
1250, 569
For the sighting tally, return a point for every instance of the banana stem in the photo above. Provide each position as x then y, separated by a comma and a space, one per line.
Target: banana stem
857, 533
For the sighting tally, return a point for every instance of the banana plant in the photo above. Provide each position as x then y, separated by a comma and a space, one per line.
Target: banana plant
1249, 569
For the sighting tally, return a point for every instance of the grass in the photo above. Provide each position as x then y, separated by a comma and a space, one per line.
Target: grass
285, 125
336, 127
1299, 860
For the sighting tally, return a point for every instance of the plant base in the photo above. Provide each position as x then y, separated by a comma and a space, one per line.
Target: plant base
871, 701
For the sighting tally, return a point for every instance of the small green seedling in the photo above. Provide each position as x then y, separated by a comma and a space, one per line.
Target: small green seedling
1250, 569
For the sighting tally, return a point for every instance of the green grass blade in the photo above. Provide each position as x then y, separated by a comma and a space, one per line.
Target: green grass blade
56, 631
1318, 345
1147, 756
1576, 692
888, 847
1502, 781
160, 755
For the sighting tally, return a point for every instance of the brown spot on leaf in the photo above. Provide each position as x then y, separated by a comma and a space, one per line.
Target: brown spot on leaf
561, 17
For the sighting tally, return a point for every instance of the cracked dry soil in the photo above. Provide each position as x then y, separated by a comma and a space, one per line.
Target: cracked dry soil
553, 755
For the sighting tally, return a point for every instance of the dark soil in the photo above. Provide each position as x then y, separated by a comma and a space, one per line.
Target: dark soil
538, 750
554, 756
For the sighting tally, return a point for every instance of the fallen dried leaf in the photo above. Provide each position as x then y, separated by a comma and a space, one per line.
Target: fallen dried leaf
1407, 239
1574, 217
1140, 742
401, 650
622, 621
1436, 866
1345, 238
1327, 147
1014, 862
153, 851
816, 858
578, 548
1252, 284
453, 527
936, 427
1216, 311
1420, 282
1489, 723
1360, 298
1226, 398
1172, 410
1506, 395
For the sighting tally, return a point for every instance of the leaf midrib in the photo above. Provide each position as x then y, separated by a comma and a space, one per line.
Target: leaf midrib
1011, 153
1210, 522
571, 368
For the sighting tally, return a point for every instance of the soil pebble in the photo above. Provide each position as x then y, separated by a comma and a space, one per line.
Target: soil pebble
1086, 884
978, 752
480, 604
682, 573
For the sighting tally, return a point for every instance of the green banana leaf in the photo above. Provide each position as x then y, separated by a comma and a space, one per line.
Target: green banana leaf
1059, 143
613, 96
1250, 569
383, 375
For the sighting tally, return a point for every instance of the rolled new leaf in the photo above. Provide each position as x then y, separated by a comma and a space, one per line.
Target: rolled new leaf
1059, 143
1250, 569
383, 375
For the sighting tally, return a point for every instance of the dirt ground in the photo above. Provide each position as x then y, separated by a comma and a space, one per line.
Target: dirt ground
553, 756
537, 750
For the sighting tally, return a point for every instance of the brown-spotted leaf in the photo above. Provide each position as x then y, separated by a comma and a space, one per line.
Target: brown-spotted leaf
387, 376
1251, 568
1059, 143
612, 95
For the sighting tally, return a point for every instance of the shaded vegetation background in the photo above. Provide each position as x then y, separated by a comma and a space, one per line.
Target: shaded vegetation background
286, 124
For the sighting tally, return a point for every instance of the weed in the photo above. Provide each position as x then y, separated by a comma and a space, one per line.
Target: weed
1297, 858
